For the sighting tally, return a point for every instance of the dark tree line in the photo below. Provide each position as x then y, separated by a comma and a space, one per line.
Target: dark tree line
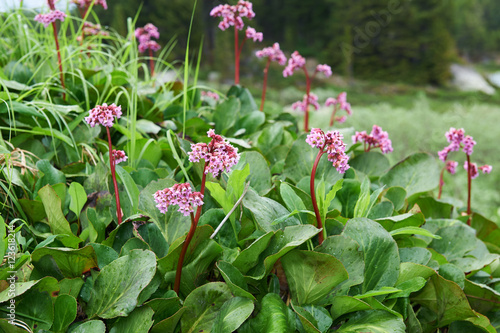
396, 40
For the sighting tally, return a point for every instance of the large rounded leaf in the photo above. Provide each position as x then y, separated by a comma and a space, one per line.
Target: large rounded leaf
417, 173
64, 262
232, 314
118, 285
374, 321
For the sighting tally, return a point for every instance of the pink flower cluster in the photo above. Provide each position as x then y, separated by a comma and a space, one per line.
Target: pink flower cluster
335, 147
86, 3
325, 69
456, 137
119, 156
210, 94
52, 16
233, 15
274, 53
451, 167
377, 139
251, 33
91, 29
219, 154
181, 195
341, 102
305, 102
104, 115
144, 36
295, 62
474, 169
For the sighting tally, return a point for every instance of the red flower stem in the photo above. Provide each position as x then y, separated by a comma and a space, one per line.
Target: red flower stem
194, 224
469, 185
59, 58
264, 87
332, 119
313, 197
113, 175
308, 92
236, 57
441, 183
151, 63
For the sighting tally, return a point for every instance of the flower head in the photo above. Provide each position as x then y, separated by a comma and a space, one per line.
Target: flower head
149, 45
104, 115
473, 169
295, 62
52, 16
341, 103
305, 102
119, 156
486, 168
377, 139
451, 167
457, 140
251, 33
219, 154
91, 29
332, 144
210, 94
181, 195
274, 53
86, 3
233, 15
469, 144
325, 69
144, 36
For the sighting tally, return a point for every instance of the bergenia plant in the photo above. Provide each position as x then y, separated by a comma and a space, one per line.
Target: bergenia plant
329, 143
46, 20
144, 36
339, 103
218, 156
91, 29
272, 54
377, 139
105, 115
297, 62
458, 140
233, 16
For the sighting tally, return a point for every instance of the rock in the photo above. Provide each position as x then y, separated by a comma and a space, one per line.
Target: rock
494, 79
468, 79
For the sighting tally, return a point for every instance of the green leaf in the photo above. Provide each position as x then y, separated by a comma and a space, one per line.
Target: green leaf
270, 137
138, 320
52, 133
293, 201
225, 115
51, 175
381, 291
130, 187
413, 231
435, 209
321, 316
260, 175
417, 255
308, 322
152, 235
452, 273
118, 285
342, 305
374, 321
363, 202
94, 326
202, 307
379, 250
372, 164
445, 299
234, 280
312, 275
78, 198
65, 309
6, 326
168, 325
164, 307
416, 174
232, 314
392, 223
481, 298
273, 316
243, 94
397, 196
57, 222
64, 262
251, 122
71, 287
249, 257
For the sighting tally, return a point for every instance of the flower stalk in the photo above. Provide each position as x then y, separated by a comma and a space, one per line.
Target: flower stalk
113, 176
321, 236
264, 86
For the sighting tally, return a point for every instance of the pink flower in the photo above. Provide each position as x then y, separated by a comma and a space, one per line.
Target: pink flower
52, 16
325, 69
210, 94
468, 145
451, 167
90, 29
274, 53
181, 195
303, 105
486, 168
334, 146
232, 15
119, 156
342, 103
252, 34
295, 62
86, 3
219, 154
104, 115
377, 139
149, 45
473, 170
152, 30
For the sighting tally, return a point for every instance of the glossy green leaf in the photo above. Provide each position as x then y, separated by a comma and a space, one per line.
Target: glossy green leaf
130, 187
260, 175
342, 305
119, 283
78, 197
232, 314
372, 164
397, 196
272, 317
413, 231
225, 114
234, 280
65, 309
375, 321
94, 326
64, 262
249, 257
139, 320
